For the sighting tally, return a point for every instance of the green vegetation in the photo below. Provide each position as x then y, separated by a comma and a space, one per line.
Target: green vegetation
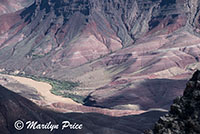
60, 88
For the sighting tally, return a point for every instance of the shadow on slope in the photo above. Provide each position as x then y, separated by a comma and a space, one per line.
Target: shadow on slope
14, 107
150, 93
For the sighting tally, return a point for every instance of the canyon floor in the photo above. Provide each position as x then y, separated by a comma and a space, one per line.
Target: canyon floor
39, 93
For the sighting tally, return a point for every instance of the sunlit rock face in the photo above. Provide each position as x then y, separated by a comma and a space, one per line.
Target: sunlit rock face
76, 32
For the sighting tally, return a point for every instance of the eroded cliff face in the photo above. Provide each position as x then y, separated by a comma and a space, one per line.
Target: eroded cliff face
129, 19
10, 6
54, 30
183, 117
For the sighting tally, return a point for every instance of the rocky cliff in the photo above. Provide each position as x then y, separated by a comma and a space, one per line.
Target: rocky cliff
183, 117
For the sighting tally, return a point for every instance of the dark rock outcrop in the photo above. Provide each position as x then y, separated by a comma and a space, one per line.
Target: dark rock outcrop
184, 115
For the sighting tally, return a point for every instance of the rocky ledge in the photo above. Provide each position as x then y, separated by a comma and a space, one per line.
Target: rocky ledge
184, 115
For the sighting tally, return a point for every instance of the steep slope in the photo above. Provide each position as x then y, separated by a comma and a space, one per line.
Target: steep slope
14, 107
10, 6
183, 117
65, 34
158, 65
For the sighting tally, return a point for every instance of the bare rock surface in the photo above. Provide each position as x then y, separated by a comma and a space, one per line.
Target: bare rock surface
183, 117
10, 6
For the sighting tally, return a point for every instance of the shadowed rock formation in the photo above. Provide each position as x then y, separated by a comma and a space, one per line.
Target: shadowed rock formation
183, 117
147, 94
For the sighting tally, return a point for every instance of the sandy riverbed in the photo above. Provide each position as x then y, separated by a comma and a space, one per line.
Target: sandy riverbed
43, 89
62, 104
